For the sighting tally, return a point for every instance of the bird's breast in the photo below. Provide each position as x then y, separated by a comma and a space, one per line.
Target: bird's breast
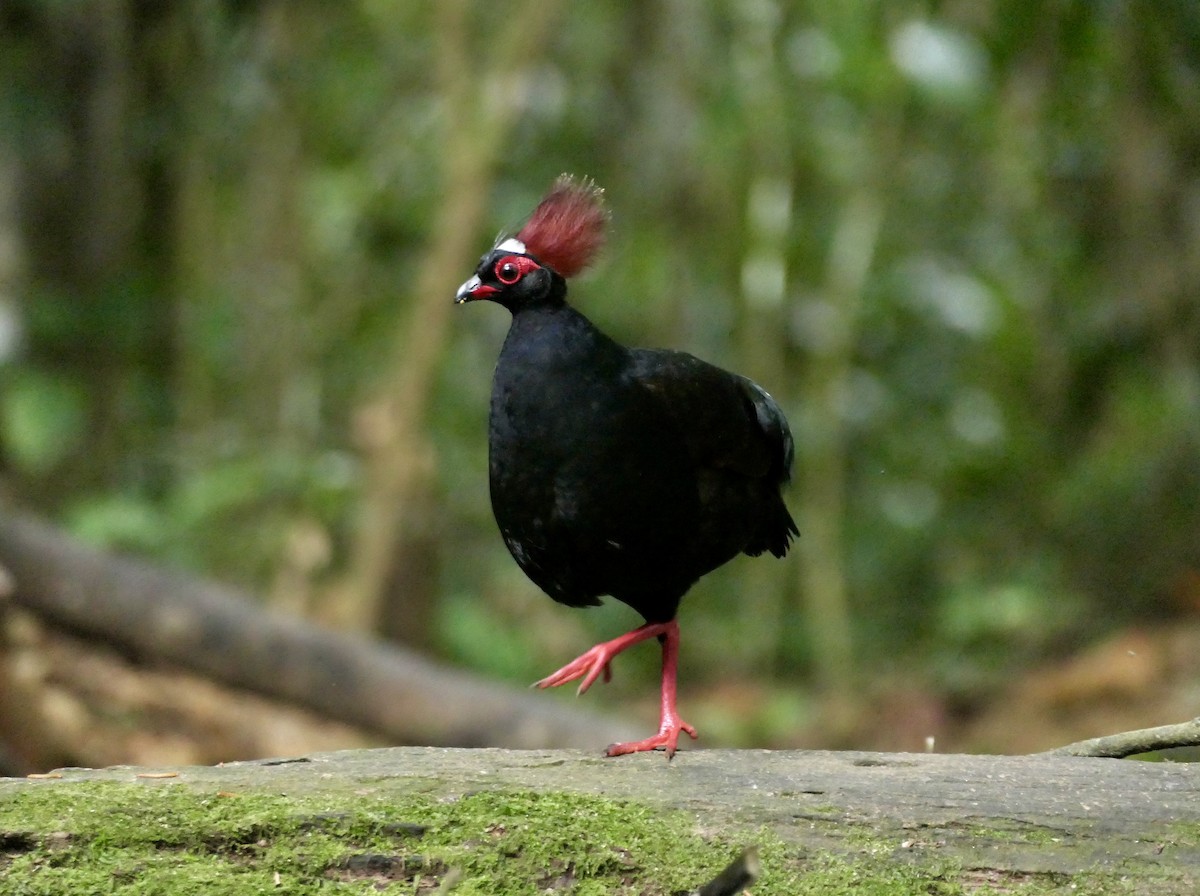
576, 450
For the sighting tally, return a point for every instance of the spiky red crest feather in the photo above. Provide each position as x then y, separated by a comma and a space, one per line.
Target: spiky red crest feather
567, 228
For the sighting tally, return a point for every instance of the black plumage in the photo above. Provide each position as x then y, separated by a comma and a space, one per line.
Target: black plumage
618, 471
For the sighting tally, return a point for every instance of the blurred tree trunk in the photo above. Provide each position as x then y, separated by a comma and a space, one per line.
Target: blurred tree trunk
824, 385
822, 451
83, 213
764, 265
390, 582
239, 265
12, 256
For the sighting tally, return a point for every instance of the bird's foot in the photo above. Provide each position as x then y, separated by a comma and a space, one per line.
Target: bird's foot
666, 739
589, 667
595, 662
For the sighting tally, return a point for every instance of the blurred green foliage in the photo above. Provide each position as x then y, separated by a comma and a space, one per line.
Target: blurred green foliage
959, 241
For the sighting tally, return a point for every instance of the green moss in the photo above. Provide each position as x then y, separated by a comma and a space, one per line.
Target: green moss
1016, 832
156, 838
1186, 833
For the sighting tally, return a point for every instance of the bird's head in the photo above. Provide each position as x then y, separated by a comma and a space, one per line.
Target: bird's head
559, 240
513, 277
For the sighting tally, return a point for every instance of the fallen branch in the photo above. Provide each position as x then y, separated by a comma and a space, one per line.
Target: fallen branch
224, 634
1132, 743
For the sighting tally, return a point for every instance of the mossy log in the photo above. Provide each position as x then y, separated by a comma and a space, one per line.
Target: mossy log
532, 821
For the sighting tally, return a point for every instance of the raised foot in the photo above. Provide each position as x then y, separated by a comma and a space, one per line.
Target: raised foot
666, 739
595, 662
589, 666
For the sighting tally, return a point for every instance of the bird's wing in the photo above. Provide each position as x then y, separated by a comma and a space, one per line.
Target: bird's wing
726, 420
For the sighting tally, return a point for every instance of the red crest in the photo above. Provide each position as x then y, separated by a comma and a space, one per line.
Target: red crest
567, 228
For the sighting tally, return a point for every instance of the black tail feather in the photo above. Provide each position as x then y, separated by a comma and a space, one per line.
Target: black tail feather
775, 534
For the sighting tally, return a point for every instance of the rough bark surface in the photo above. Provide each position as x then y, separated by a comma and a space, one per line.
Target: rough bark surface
1035, 815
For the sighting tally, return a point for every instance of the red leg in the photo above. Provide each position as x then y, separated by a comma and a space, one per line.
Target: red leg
670, 724
595, 663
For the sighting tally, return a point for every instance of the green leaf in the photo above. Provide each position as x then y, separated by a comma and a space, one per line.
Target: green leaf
42, 420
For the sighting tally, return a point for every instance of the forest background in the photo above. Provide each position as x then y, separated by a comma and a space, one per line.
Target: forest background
958, 241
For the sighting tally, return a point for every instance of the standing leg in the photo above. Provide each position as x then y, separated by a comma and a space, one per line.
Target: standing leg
670, 723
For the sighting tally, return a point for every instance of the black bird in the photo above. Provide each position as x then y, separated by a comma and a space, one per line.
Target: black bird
618, 471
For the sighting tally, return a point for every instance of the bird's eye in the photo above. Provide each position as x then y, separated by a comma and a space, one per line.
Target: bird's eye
508, 273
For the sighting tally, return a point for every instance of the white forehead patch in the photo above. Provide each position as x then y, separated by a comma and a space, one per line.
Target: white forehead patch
512, 244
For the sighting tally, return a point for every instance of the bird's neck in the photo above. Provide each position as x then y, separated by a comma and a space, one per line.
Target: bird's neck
555, 335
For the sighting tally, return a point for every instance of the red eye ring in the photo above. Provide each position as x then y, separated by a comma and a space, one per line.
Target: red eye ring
508, 273
511, 268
